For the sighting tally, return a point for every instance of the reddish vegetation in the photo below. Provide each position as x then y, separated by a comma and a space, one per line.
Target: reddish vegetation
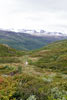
1, 80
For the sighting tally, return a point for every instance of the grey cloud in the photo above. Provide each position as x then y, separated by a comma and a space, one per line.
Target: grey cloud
43, 5
33, 13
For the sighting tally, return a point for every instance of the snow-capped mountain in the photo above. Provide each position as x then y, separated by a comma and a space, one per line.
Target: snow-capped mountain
41, 32
29, 39
36, 32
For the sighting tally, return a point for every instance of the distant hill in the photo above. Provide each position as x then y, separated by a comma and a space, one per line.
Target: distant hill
10, 55
53, 56
6, 51
26, 41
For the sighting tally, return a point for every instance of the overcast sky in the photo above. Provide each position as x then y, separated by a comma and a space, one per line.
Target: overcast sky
50, 15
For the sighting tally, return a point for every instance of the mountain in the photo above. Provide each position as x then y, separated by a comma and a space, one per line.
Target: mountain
28, 39
53, 56
41, 33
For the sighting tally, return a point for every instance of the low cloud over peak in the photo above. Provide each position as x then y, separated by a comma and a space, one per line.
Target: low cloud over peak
34, 14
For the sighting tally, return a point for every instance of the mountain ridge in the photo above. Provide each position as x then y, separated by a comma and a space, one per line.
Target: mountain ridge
38, 32
42, 33
26, 41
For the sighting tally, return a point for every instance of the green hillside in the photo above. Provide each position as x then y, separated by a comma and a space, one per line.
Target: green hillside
43, 77
9, 55
53, 56
6, 51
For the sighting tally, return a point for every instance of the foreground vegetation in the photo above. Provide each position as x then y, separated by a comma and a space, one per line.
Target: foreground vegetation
44, 77
53, 56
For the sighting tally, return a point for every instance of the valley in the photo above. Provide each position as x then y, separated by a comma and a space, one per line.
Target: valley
43, 77
26, 41
33, 49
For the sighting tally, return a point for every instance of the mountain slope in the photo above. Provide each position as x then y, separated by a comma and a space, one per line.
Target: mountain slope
9, 55
53, 56
24, 41
39, 81
6, 51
